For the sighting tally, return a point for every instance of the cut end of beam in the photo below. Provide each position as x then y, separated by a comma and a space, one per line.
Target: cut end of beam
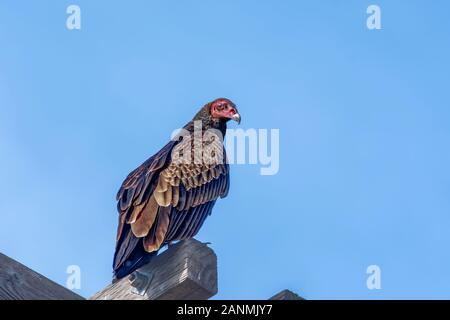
186, 270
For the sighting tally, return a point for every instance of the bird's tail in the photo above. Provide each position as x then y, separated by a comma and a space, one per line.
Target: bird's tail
137, 259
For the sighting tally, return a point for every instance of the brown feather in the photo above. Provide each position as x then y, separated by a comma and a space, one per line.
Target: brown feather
190, 199
167, 196
145, 191
215, 172
182, 198
152, 242
143, 224
159, 197
126, 198
200, 195
162, 184
120, 227
210, 189
135, 214
175, 195
194, 196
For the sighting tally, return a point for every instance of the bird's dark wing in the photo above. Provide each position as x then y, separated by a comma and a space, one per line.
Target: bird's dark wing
133, 197
163, 200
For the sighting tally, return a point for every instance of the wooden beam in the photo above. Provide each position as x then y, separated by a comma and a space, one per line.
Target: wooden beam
18, 282
286, 295
186, 270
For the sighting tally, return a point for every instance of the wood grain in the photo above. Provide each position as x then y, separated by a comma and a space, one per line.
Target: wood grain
286, 295
18, 282
186, 270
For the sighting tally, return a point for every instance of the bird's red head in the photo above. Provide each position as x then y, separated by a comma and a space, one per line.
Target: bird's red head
224, 109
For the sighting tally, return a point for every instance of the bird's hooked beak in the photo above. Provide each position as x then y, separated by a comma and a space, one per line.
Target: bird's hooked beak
236, 117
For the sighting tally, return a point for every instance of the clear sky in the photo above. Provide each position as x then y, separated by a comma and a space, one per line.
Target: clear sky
364, 120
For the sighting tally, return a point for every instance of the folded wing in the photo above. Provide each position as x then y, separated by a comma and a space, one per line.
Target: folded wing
163, 200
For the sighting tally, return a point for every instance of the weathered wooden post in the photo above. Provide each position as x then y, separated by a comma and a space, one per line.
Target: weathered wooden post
18, 282
187, 270
286, 295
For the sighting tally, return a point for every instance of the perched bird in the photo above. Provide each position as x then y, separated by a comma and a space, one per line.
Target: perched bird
170, 195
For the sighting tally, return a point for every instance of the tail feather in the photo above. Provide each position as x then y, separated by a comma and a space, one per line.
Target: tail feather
137, 259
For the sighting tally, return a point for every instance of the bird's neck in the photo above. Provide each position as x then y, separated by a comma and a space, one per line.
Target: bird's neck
205, 124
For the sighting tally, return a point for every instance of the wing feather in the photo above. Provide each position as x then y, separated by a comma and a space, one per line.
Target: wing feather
184, 227
145, 221
153, 241
161, 201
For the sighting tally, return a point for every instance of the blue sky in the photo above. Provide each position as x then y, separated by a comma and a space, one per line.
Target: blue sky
364, 125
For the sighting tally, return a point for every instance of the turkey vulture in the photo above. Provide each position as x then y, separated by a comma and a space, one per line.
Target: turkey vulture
170, 195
